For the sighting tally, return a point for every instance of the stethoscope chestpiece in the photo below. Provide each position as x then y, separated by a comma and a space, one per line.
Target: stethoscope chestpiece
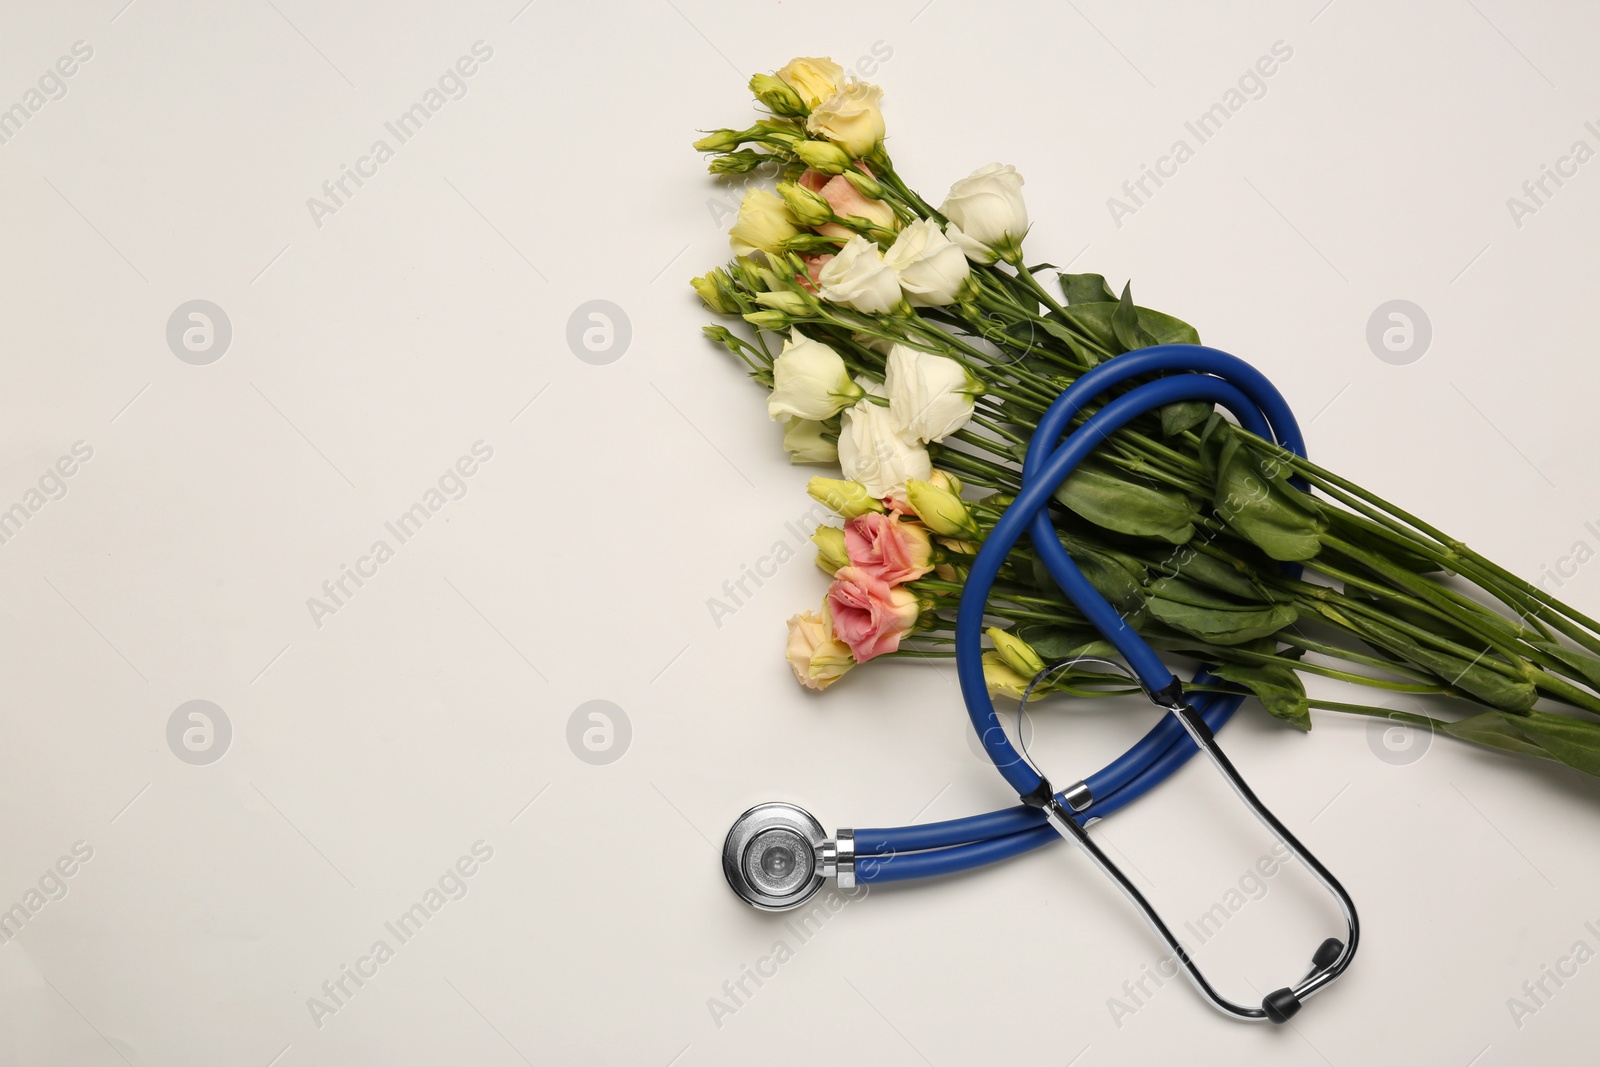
773, 856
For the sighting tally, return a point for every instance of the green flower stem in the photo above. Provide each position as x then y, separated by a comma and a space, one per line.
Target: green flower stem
1295, 639
1450, 553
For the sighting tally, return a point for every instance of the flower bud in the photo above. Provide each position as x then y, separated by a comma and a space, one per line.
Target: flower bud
946, 481
777, 95
720, 141
773, 321
831, 553
811, 244
812, 209
847, 499
740, 162
822, 156
788, 301
941, 510
1000, 678
1017, 653
865, 183
710, 291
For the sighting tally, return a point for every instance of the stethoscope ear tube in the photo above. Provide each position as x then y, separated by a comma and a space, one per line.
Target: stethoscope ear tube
1205, 374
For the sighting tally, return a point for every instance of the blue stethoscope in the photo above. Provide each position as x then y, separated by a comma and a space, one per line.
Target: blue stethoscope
776, 856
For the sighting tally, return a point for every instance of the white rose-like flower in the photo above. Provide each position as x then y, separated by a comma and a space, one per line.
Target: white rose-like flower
764, 223
987, 214
809, 381
933, 269
930, 397
858, 278
875, 453
815, 79
851, 118
803, 440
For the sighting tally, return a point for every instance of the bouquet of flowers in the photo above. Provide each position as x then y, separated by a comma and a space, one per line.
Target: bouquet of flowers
915, 347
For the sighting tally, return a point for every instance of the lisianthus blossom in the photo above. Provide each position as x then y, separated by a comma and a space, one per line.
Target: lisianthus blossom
764, 224
869, 615
930, 397
888, 548
987, 214
851, 118
809, 381
933, 269
858, 278
816, 655
875, 452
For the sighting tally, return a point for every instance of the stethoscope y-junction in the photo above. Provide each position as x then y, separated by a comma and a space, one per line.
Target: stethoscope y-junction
776, 856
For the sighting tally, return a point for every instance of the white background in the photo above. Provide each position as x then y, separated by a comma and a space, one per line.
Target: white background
430, 312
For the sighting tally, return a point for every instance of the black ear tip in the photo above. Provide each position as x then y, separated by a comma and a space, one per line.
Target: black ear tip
1326, 953
1281, 1005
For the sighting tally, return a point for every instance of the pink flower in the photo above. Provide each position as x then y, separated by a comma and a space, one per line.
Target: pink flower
814, 265
846, 199
888, 549
869, 615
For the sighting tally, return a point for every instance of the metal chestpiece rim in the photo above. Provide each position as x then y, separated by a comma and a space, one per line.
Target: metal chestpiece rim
811, 857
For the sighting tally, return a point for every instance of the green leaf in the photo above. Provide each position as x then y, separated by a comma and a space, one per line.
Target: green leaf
1054, 642
1278, 688
1573, 741
1189, 593
1585, 665
1105, 570
1235, 579
1125, 323
1470, 676
1127, 507
1086, 289
1184, 415
1493, 730
1140, 328
1093, 319
1265, 513
1221, 625
1167, 330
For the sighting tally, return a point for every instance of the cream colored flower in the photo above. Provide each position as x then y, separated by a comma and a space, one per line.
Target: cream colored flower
809, 381
930, 397
803, 440
817, 657
764, 223
815, 79
874, 452
859, 278
933, 270
851, 118
987, 214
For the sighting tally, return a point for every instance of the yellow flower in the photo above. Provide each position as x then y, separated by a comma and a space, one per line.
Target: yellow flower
851, 118
765, 222
815, 79
817, 657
